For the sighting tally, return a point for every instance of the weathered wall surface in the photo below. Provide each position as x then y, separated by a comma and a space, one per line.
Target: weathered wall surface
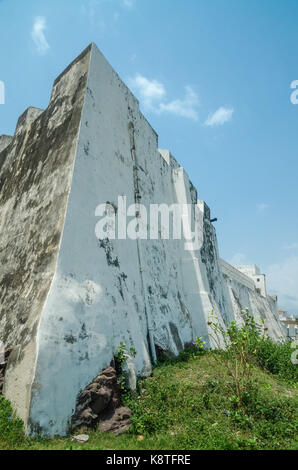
242, 296
105, 292
236, 275
5, 140
68, 299
35, 178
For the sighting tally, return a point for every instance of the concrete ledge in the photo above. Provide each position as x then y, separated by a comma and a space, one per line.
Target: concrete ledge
237, 275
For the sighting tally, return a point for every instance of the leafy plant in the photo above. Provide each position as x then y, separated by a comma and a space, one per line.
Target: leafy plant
246, 347
240, 344
120, 359
276, 359
199, 343
11, 427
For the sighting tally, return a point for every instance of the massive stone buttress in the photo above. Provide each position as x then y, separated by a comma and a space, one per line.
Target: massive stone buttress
67, 298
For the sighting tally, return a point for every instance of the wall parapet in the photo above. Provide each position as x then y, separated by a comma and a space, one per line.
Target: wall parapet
237, 275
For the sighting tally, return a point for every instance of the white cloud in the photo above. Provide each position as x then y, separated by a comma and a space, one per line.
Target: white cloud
184, 108
238, 259
152, 96
149, 91
220, 116
38, 36
282, 280
101, 17
128, 3
89, 9
262, 207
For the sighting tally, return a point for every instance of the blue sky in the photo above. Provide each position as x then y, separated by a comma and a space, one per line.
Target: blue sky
213, 78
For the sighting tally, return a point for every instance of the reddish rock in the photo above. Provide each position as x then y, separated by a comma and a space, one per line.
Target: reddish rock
100, 403
118, 421
101, 400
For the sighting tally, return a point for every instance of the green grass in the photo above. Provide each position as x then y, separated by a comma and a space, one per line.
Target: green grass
188, 404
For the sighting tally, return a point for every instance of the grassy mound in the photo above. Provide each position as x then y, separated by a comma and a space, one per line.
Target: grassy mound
190, 404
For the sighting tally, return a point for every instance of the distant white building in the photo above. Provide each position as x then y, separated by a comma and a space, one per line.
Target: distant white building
252, 271
290, 323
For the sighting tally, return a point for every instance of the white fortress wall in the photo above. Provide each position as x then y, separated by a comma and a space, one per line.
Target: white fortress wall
34, 184
92, 293
254, 272
96, 299
112, 291
243, 294
235, 274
